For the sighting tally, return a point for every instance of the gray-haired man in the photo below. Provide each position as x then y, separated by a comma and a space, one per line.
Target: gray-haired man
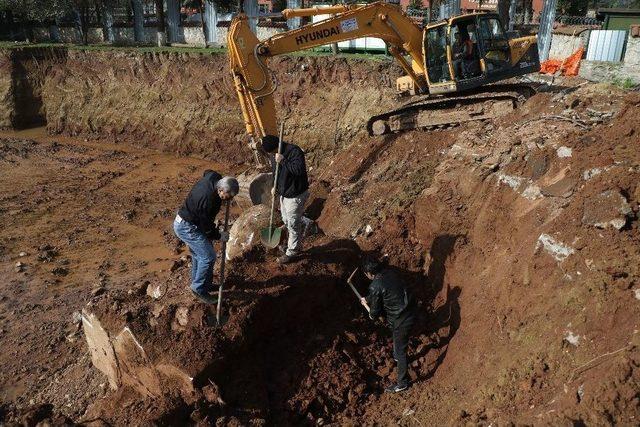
194, 226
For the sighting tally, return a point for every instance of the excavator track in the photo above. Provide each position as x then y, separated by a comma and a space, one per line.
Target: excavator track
428, 112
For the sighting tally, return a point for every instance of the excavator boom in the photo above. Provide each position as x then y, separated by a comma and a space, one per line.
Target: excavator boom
253, 81
445, 59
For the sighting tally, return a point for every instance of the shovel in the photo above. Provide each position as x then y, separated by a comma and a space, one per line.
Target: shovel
224, 258
355, 291
270, 237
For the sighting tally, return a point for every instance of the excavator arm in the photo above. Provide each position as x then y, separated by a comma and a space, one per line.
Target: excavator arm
254, 83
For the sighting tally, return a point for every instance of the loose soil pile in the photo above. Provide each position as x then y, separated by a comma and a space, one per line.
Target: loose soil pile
519, 238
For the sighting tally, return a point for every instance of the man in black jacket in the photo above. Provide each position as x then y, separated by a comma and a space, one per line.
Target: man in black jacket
389, 295
293, 188
194, 225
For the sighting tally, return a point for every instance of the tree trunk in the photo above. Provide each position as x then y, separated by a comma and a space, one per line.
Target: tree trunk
527, 12
203, 25
173, 21
107, 22
294, 23
251, 9
512, 14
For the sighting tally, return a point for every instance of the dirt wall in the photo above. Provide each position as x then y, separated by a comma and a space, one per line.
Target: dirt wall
185, 103
22, 75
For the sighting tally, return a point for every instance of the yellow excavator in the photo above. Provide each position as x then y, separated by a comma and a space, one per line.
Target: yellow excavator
448, 64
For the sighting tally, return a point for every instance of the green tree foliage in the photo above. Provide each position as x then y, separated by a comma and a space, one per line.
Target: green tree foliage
415, 5
573, 7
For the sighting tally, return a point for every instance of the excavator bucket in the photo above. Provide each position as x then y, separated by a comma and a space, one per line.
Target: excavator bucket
255, 189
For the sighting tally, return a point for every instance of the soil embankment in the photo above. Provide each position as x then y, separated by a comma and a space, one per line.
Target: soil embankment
519, 236
22, 76
186, 103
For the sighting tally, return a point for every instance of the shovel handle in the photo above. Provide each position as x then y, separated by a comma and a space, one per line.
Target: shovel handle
355, 291
224, 258
275, 181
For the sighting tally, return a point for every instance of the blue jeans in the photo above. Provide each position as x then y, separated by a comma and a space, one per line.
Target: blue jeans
203, 257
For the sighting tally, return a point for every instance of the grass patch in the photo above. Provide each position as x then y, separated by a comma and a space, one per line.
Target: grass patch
185, 49
108, 47
626, 83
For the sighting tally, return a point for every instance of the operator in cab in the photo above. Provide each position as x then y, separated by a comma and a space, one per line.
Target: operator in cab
389, 297
194, 225
293, 189
464, 60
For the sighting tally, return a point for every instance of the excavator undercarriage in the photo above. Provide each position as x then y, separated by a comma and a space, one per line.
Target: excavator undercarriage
439, 112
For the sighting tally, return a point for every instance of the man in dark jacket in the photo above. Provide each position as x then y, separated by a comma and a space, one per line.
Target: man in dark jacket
194, 225
293, 188
389, 296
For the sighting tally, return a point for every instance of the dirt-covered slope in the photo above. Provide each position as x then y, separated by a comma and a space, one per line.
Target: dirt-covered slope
22, 75
186, 103
528, 229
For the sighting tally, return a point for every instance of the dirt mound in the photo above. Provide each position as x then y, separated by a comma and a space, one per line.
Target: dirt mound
535, 216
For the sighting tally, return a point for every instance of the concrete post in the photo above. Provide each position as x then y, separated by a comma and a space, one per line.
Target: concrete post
455, 7
294, 23
512, 14
54, 32
138, 20
107, 22
211, 22
547, 17
173, 20
251, 9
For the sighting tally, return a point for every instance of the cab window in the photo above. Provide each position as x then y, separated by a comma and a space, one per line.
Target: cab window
491, 30
437, 65
495, 44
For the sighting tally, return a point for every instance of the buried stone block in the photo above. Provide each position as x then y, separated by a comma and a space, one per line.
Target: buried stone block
556, 249
135, 368
102, 352
609, 208
245, 232
124, 361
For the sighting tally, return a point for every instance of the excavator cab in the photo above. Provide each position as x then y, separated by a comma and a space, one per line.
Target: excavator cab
472, 50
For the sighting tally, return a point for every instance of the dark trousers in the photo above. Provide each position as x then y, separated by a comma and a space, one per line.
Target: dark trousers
401, 333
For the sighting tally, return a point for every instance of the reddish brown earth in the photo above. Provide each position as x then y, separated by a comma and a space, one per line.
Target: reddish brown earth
510, 332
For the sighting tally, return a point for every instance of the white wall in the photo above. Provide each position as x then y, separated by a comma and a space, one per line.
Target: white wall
563, 46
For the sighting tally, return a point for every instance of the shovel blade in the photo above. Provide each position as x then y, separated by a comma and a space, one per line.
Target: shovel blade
270, 236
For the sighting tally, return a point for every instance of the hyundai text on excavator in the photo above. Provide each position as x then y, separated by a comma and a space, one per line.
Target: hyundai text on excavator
447, 63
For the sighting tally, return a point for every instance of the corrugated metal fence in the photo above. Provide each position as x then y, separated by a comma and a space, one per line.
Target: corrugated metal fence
606, 45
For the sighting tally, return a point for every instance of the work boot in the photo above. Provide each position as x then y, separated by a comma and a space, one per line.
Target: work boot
286, 259
205, 298
396, 388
